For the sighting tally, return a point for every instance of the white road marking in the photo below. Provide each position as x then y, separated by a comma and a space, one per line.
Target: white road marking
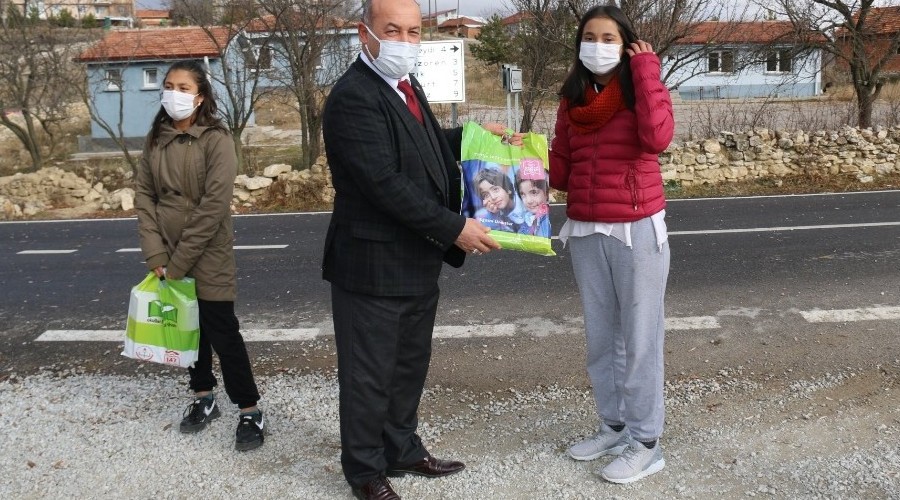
236, 247
468, 331
82, 336
258, 247
277, 335
481, 331
845, 315
692, 323
44, 252
250, 335
783, 228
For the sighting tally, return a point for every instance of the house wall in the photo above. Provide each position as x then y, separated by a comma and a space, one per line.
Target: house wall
138, 103
804, 80
80, 8
875, 51
338, 55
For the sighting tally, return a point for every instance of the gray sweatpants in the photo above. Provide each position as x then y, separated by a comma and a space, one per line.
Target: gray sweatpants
623, 290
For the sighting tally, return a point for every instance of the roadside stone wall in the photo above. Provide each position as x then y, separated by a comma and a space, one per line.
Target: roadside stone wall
730, 157
26, 195
760, 153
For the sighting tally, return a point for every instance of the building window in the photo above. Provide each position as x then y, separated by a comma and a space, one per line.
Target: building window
113, 79
263, 53
151, 78
721, 62
778, 62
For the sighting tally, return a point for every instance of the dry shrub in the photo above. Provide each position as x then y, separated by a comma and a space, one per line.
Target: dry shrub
287, 196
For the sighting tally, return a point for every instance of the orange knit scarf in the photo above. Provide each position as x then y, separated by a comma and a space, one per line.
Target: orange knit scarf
599, 107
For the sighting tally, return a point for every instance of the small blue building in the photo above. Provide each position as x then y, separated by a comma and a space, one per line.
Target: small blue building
126, 70
736, 60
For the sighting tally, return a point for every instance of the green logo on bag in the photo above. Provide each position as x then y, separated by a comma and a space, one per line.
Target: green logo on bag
161, 313
169, 315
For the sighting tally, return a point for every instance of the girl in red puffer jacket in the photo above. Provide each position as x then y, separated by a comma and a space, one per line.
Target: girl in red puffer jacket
614, 119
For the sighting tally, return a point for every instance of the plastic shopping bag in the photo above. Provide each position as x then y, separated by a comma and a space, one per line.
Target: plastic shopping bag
507, 188
163, 322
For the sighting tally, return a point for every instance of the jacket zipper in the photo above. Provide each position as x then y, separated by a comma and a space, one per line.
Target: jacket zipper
185, 179
630, 182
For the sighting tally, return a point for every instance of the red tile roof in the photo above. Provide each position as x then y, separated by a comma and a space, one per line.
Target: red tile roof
744, 32
461, 21
165, 43
151, 14
268, 23
882, 20
517, 18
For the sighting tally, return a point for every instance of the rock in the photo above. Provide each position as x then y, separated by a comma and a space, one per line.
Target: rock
259, 182
122, 198
272, 171
711, 146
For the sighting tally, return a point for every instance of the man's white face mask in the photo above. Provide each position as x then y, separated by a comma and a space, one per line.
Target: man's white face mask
600, 58
395, 59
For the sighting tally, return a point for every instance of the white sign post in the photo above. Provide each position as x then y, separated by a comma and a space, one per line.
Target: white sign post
511, 78
441, 71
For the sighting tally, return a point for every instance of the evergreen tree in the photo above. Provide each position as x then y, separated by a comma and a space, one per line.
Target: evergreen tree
496, 45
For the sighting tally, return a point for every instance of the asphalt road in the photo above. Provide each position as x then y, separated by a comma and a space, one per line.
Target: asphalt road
749, 263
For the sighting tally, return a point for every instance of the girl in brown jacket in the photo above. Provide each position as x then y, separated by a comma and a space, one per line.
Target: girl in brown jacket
184, 187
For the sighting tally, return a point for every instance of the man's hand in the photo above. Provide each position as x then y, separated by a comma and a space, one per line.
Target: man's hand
474, 238
508, 136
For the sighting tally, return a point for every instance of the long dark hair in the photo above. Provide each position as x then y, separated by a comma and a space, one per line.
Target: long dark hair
580, 77
207, 112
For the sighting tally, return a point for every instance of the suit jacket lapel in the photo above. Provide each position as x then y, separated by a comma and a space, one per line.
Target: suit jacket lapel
432, 163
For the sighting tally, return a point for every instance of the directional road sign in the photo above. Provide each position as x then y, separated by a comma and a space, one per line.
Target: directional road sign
441, 71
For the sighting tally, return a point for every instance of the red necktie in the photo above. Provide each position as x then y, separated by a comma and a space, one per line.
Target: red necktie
411, 102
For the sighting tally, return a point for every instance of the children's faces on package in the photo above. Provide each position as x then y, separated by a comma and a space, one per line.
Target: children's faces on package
534, 198
493, 197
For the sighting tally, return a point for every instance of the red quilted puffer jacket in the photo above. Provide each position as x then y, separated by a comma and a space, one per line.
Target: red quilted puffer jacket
612, 174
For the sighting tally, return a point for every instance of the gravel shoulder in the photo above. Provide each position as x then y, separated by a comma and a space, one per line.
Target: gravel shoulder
732, 435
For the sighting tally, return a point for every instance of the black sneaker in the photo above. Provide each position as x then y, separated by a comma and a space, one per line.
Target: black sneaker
198, 414
250, 431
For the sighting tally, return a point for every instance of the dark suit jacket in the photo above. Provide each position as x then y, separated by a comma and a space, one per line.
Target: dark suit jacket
397, 184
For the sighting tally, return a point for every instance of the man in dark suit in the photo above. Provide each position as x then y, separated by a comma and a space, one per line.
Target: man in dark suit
396, 220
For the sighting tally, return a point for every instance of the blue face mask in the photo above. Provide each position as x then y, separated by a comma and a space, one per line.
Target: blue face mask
395, 59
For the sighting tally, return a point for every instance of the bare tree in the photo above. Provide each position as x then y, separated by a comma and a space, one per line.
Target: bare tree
857, 34
35, 76
242, 68
87, 89
309, 55
197, 12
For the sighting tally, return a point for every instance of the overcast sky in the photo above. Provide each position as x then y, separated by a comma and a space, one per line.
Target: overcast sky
466, 7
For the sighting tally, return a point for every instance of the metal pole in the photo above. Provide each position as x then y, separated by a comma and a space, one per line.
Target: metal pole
509, 118
516, 115
454, 114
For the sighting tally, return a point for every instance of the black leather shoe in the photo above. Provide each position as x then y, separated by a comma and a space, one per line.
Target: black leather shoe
428, 467
376, 489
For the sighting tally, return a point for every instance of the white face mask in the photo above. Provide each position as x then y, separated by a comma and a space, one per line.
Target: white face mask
395, 59
600, 58
178, 105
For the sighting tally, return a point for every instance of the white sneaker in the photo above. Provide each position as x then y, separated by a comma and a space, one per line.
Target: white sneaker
606, 442
636, 462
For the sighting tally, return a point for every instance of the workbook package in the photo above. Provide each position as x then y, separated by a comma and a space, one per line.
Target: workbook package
507, 188
163, 322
